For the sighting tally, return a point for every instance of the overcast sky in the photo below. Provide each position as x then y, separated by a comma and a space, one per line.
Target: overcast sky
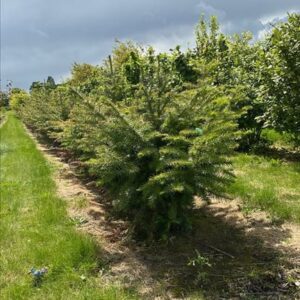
45, 37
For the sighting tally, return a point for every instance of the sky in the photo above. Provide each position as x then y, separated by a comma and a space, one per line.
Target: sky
46, 37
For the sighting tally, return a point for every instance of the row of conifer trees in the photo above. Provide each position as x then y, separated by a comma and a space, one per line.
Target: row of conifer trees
156, 129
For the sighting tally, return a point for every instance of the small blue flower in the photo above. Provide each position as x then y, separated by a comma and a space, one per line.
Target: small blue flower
38, 273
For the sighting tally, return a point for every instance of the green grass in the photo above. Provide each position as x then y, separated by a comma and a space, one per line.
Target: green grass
35, 230
268, 184
278, 140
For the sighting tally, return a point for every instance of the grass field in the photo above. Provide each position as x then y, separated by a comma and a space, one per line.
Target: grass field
268, 184
36, 232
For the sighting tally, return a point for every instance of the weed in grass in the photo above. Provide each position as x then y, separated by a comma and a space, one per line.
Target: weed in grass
80, 202
200, 263
78, 220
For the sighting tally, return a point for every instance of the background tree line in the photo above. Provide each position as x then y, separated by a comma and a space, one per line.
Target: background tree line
157, 129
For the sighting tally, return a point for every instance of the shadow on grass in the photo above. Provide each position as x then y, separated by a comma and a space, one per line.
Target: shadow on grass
283, 154
246, 259
4, 149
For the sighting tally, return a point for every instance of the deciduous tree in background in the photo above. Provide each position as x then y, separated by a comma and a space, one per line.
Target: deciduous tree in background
281, 88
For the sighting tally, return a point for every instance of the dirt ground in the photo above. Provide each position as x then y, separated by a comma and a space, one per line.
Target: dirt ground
250, 256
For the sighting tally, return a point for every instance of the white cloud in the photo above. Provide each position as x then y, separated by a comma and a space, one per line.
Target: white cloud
263, 33
209, 10
268, 19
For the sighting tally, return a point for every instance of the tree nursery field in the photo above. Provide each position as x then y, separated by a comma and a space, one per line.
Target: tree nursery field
171, 175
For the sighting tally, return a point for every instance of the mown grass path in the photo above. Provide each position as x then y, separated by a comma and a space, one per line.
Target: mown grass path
35, 230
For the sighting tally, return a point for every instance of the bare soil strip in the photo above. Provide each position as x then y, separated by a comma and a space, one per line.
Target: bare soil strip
251, 255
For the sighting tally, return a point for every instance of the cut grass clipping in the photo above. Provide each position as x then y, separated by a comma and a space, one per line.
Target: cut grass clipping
36, 232
268, 184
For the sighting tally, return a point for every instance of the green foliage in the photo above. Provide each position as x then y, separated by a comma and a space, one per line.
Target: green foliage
142, 140
282, 77
18, 99
48, 109
148, 152
199, 260
235, 64
50, 82
85, 77
4, 99
200, 263
158, 129
2, 115
35, 85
